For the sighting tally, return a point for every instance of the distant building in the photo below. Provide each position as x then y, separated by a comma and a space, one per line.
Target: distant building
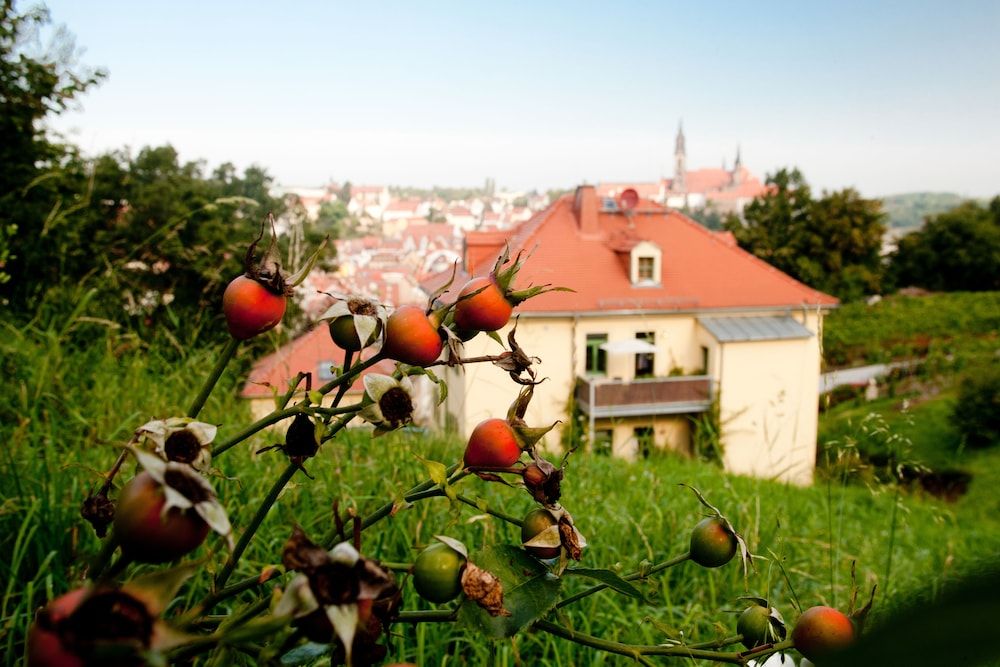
368, 200
724, 190
665, 319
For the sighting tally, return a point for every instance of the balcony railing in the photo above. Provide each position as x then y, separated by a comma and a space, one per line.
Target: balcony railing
601, 398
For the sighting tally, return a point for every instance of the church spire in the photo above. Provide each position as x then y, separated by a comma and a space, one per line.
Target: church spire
737, 173
680, 161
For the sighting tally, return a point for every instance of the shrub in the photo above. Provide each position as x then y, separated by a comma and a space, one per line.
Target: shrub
977, 411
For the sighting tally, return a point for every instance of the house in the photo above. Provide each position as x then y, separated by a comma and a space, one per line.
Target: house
313, 352
665, 321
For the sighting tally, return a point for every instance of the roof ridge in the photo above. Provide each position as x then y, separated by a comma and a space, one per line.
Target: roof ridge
740, 252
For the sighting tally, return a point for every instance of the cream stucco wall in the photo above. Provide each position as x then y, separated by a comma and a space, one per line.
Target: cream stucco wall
767, 389
484, 391
768, 405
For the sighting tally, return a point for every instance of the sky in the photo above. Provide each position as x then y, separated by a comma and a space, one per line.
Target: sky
886, 97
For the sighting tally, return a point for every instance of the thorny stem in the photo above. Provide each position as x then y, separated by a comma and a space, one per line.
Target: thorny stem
350, 374
439, 493
103, 557
638, 574
213, 377
428, 616
206, 643
354, 407
110, 477
213, 599
279, 415
258, 518
386, 509
258, 425
636, 651
285, 413
348, 360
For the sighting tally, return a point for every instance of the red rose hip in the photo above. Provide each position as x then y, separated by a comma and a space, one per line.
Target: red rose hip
145, 533
411, 337
492, 445
251, 308
485, 310
821, 631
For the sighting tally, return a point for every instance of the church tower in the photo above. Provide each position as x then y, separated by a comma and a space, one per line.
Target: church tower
737, 173
680, 158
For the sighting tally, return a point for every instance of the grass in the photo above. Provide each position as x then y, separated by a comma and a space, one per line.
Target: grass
76, 391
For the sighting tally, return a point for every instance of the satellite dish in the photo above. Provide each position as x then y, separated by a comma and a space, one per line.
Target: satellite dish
628, 199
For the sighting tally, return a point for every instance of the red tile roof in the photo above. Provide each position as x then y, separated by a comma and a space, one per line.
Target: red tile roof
700, 269
308, 353
482, 249
408, 205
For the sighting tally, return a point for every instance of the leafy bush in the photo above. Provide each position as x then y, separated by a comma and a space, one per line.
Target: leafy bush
977, 411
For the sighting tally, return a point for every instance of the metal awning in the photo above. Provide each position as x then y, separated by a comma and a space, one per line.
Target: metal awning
746, 329
628, 346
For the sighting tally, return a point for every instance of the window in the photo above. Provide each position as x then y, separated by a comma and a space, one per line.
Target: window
704, 360
644, 360
597, 359
325, 371
644, 440
602, 442
647, 266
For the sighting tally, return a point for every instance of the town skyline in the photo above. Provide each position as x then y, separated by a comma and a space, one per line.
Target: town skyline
549, 96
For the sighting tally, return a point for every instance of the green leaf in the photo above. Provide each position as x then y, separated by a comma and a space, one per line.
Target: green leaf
529, 591
436, 471
609, 579
315, 397
305, 654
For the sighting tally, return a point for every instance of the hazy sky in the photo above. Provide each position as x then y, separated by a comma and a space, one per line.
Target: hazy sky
887, 97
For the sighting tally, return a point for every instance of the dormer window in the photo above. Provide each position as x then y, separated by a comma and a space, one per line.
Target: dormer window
645, 265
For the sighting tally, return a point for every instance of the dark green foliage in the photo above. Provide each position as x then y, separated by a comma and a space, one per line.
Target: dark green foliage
32, 190
706, 216
831, 243
955, 251
977, 411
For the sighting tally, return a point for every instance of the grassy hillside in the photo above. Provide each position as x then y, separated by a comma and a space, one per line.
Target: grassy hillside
76, 390
912, 208
951, 328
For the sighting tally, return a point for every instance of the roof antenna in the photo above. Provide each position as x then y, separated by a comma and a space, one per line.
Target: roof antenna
627, 201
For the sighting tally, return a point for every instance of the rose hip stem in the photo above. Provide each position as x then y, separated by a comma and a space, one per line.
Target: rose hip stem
258, 518
213, 377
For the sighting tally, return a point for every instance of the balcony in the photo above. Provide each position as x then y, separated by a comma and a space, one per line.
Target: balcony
600, 398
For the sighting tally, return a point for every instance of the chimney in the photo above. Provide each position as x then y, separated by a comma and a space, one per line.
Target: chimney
585, 208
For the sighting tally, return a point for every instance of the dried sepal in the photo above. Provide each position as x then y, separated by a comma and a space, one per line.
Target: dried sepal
543, 481
483, 588
99, 511
391, 402
179, 439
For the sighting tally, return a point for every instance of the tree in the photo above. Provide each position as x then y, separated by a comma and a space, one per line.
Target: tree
955, 250
831, 243
31, 88
332, 220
